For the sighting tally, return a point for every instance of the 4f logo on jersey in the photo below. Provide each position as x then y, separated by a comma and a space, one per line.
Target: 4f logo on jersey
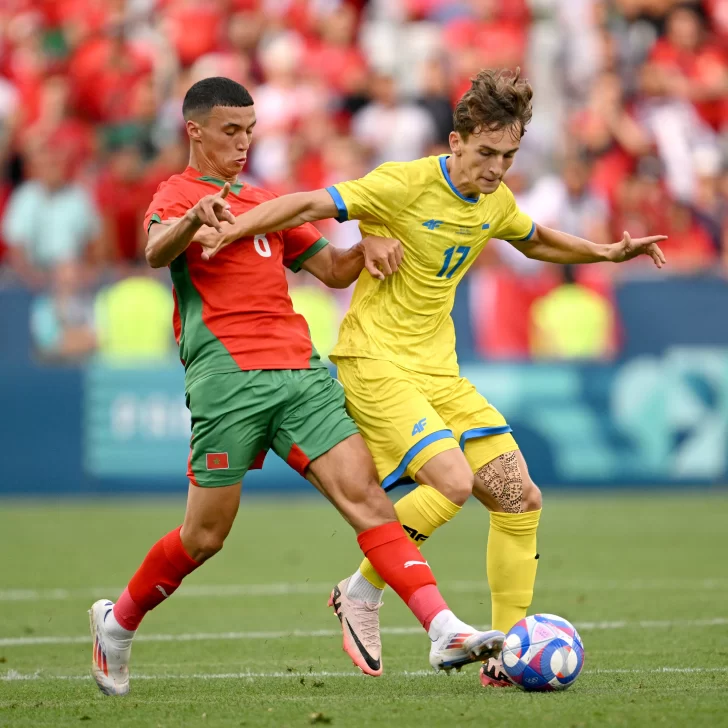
432, 224
419, 426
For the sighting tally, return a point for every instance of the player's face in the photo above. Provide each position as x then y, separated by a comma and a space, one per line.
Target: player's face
224, 138
485, 157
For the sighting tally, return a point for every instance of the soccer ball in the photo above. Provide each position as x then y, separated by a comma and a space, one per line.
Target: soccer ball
543, 652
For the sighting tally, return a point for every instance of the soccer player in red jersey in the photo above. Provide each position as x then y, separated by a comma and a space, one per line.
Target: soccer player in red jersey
253, 382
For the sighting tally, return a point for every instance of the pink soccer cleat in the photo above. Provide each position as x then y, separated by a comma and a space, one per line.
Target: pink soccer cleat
360, 628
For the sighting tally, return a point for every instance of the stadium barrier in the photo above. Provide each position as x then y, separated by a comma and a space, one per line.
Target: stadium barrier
648, 420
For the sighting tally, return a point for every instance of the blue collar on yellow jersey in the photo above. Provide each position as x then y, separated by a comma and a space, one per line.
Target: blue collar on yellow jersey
446, 174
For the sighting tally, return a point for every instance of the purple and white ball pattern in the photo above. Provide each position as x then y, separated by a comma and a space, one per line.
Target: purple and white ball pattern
543, 652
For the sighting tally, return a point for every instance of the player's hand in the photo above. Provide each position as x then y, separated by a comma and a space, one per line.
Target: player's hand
212, 210
627, 249
212, 240
382, 256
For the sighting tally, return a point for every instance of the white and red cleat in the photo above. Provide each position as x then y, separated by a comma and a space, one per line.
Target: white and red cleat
111, 654
453, 650
492, 674
360, 628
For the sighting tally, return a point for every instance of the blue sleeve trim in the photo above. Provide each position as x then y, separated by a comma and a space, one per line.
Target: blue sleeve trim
528, 237
418, 447
483, 432
343, 215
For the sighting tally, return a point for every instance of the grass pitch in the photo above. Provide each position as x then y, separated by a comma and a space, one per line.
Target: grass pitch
248, 640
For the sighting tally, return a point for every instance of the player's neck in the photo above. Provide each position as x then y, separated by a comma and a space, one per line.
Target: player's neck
208, 169
459, 178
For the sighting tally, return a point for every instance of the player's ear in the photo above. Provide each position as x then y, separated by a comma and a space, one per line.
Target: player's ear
455, 145
193, 129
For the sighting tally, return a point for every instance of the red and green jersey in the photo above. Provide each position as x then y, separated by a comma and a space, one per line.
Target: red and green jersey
233, 312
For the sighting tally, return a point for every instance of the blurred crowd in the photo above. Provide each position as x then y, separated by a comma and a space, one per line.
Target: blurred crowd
630, 132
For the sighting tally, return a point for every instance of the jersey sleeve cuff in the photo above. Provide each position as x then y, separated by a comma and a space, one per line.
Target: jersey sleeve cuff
343, 213
297, 264
528, 237
154, 218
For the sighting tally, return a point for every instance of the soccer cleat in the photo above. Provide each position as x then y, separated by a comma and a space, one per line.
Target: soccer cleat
360, 627
455, 649
110, 663
493, 675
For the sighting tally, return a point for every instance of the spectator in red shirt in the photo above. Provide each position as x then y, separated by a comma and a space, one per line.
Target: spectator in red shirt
333, 54
695, 68
82, 19
609, 133
58, 125
641, 201
500, 40
25, 62
120, 201
194, 27
689, 245
103, 73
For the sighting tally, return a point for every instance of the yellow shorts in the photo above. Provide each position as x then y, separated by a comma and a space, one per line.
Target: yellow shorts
407, 417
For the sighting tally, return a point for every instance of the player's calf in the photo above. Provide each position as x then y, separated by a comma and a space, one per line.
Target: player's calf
208, 519
505, 488
347, 477
344, 475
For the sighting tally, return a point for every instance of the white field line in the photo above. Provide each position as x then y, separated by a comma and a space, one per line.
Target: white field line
285, 588
271, 635
13, 675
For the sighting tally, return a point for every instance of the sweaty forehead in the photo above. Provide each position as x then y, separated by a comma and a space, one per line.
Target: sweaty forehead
239, 115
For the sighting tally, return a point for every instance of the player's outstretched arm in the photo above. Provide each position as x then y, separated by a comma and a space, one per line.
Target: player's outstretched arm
281, 213
171, 238
339, 268
554, 246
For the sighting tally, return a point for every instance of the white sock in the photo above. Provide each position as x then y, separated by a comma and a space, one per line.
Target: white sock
361, 589
446, 623
115, 630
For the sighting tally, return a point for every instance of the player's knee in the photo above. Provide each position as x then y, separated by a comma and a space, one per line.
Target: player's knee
532, 500
456, 485
203, 543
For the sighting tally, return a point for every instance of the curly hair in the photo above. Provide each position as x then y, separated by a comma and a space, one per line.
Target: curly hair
496, 100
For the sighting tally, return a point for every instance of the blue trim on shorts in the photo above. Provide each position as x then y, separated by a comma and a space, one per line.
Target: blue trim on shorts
391, 480
483, 432
343, 212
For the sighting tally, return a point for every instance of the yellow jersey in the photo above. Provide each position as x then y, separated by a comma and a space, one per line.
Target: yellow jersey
406, 319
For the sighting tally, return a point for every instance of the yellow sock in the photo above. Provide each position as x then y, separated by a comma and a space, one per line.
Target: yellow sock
512, 565
420, 513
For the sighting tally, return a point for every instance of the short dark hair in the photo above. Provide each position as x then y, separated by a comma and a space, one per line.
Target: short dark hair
203, 96
496, 100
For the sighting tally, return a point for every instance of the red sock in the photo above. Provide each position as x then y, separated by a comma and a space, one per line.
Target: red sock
161, 572
399, 562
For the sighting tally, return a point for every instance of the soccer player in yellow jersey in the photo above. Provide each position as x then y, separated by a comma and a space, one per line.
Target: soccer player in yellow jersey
396, 348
